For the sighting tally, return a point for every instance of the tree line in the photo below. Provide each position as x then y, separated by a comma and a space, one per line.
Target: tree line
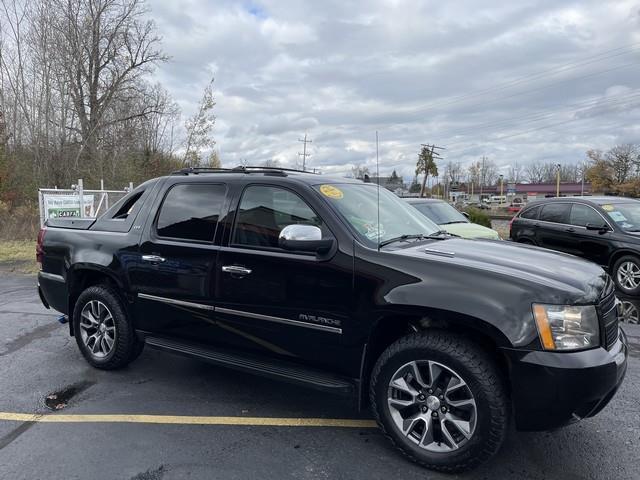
76, 99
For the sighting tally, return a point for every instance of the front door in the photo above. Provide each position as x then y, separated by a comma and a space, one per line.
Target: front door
593, 245
174, 278
286, 304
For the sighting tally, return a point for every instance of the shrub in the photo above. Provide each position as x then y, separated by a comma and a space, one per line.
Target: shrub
478, 216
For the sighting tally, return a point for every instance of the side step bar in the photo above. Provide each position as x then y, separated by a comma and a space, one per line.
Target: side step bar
285, 371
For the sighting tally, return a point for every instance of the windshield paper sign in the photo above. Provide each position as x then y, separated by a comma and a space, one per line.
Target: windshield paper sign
67, 206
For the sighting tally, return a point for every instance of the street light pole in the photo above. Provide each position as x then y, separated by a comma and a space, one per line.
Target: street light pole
501, 188
558, 180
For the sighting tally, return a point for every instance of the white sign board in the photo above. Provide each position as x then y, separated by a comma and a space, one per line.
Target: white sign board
67, 206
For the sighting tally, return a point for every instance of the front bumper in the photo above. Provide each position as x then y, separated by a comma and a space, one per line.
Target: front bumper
552, 389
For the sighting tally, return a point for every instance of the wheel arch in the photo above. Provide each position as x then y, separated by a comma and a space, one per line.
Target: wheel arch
618, 254
81, 277
389, 328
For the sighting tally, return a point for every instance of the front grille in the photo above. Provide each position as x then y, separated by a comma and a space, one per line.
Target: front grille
608, 313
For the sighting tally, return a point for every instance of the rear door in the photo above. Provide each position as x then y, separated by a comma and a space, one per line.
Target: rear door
174, 275
593, 245
553, 229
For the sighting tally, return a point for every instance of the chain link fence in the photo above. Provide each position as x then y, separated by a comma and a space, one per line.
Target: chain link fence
76, 202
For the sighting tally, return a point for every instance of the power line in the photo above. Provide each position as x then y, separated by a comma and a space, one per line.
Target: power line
613, 100
529, 78
304, 153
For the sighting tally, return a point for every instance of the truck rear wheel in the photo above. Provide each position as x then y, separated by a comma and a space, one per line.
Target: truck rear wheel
103, 330
441, 400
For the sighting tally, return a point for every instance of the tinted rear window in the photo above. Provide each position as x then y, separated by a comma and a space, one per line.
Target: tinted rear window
555, 212
191, 211
531, 213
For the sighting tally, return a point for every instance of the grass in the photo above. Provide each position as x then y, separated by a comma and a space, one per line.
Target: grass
18, 256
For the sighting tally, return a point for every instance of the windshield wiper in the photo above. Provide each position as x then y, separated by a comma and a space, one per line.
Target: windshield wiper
441, 234
402, 238
455, 221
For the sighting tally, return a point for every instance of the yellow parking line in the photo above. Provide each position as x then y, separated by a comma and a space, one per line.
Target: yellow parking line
188, 420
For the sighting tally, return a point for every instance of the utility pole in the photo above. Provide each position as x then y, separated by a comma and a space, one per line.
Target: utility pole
481, 177
304, 153
433, 154
558, 180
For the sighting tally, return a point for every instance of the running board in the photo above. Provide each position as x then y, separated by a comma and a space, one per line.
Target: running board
267, 367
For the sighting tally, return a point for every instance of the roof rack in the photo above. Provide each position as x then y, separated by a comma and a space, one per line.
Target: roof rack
239, 169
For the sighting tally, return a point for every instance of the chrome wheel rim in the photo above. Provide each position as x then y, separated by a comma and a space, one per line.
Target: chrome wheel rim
432, 406
628, 313
628, 275
97, 329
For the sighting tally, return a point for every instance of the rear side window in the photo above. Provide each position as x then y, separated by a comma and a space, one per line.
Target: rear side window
264, 211
531, 213
581, 215
191, 212
555, 212
127, 206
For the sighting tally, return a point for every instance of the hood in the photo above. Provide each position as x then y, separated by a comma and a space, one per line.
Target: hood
470, 230
568, 276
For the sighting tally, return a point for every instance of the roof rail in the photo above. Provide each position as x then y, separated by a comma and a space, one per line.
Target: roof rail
268, 169
238, 169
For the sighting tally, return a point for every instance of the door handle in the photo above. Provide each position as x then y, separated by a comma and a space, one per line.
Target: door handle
153, 258
236, 269
570, 230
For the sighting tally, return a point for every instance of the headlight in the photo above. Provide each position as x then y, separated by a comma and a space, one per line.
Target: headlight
566, 327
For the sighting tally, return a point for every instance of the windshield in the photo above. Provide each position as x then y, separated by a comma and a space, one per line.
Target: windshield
357, 204
626, 215
440, 212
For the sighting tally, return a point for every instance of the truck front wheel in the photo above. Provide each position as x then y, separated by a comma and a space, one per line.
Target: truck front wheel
441, 400
102, 329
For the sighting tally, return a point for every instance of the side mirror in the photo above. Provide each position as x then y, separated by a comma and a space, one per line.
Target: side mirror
304, 238
599, 228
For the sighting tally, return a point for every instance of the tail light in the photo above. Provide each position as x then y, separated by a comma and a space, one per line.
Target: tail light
511, 222
39, 243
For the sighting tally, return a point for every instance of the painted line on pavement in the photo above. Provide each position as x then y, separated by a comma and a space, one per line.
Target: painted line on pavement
188, 420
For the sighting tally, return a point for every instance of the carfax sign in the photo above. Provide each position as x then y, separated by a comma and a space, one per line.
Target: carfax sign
67, 206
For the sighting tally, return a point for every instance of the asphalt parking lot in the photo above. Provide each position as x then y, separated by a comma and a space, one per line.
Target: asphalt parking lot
243, 429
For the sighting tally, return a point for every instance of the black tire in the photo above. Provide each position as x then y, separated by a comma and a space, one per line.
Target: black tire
483, 378
623, 261
126, 347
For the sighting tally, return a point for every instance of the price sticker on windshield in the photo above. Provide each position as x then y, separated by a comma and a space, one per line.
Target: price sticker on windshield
607, 208
331, 191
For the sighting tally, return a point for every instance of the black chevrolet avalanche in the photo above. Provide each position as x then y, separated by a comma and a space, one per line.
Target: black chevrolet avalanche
341, 286
605, 230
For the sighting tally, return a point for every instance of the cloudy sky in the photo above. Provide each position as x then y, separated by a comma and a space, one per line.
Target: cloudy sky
515, 81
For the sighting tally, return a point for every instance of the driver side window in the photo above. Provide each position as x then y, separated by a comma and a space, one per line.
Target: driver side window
264, 211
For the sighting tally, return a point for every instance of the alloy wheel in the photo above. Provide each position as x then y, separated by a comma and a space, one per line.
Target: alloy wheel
628, 275
628, 312
432, 406
97, 329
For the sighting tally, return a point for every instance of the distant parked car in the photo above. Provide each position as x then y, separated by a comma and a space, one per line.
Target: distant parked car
450, 219
605, 230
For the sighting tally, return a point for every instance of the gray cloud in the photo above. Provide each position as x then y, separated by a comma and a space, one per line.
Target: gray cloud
516, 81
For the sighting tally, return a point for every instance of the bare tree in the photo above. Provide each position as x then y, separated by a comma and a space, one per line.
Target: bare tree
623, 160
200, 129
103, 49
535, 172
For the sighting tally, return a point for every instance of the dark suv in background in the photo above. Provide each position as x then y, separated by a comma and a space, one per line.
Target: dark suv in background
605, 230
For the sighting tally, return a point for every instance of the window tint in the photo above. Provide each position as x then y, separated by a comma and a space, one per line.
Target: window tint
555, 212
531, 213
191, 211
583, 214
265, 211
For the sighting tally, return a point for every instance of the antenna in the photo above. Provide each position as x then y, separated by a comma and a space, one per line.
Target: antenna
378, 175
